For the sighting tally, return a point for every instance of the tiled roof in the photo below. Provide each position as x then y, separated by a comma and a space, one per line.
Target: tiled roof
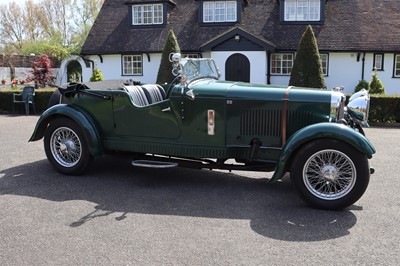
355, 25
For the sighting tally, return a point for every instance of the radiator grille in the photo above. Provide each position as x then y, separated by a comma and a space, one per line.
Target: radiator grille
261, 123
298, 119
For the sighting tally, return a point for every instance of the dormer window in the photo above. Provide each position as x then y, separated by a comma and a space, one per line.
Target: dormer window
149, 14
219, 11
302, 10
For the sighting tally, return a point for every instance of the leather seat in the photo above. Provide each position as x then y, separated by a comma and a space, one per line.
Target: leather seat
138, 96
154, 93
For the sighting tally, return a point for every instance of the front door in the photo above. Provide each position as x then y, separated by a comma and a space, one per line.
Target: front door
237, 68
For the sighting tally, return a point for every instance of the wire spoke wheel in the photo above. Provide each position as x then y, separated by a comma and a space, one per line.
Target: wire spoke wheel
329, 174
66, 147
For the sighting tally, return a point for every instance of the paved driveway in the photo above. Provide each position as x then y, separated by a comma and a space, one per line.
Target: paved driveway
119, 215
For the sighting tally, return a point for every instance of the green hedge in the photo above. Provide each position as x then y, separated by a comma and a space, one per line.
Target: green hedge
383, 109
42, 97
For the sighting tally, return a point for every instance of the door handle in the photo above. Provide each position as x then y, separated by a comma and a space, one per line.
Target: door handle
166, 109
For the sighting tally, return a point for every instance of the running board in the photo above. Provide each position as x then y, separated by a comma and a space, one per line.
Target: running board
153, 164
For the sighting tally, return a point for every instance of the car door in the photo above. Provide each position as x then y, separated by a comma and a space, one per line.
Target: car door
156, 120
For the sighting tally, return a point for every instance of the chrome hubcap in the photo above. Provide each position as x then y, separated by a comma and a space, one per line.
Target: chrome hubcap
329, 174
65, 147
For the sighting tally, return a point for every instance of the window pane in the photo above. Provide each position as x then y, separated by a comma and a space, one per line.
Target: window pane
324, 63
132, 65
158, 14
190, 55
314, 10
281, 64
378, 62
137, 64
231, 11
290, 10
302, 10
127, 68
397, 67
208, 12
147, 14
219, 11
137, 15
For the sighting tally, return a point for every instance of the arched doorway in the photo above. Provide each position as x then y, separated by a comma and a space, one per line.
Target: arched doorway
76, 66
74, 71
237, 68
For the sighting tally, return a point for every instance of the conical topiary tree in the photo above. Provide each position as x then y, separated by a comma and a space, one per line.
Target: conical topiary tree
164, 72
362, 84
97, 75
307, 68
376, 85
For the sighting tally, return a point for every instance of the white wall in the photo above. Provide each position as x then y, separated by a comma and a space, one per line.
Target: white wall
280, 80
346, 71
21, 73
112, 68
343, 69
392, 85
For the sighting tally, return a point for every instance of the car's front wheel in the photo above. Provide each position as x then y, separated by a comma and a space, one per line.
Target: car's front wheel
66, 147
330, 174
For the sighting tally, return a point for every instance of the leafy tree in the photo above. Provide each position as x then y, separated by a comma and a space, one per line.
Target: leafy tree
97, 75
42, 75
307, 68
11, 27
362, 84
54, 27
164, 72
50, 47
376, 85
85, 13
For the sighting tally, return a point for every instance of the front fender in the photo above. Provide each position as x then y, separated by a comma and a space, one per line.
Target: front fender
79, 116
317, 131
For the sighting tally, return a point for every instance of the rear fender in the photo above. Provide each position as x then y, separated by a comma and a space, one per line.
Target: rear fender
317, 131
79, 116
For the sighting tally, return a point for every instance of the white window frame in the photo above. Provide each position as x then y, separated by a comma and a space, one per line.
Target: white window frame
282, 64
190, 56
147, 14
378, 61
396, 68
302, 10
324, 63
219, 11
132, 65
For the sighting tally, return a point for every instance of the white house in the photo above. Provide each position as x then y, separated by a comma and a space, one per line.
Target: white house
250, 40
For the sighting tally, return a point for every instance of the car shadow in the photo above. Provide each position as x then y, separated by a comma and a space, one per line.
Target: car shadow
274, 210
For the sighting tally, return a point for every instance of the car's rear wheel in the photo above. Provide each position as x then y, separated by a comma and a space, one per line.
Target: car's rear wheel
66, 147
330, 174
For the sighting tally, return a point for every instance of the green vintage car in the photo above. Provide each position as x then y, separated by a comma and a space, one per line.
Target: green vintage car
200, 122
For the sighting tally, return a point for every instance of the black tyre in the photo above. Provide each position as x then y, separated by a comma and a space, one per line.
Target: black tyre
330, 174
66, 147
